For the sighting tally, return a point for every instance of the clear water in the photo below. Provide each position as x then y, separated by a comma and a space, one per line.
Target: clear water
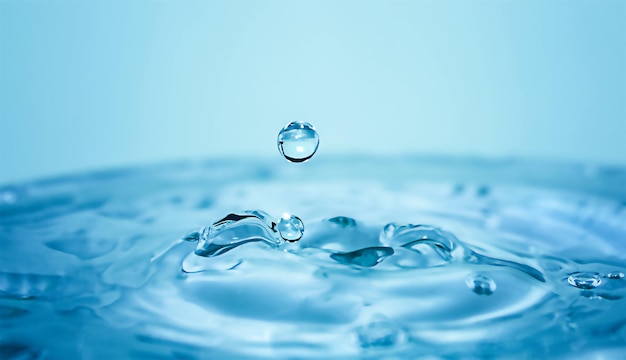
400, 258
298, 141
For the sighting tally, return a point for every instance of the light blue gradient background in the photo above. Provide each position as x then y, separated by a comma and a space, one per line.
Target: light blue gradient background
93, 84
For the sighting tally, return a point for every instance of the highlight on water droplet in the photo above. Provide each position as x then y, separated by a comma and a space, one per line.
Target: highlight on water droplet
290, 227
584, 280
615, 275
480, 284
298, 141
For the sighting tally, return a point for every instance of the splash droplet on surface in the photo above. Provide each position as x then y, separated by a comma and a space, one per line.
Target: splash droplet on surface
480, 284
584, 280
290, 227
615, 275
367, 257
235, 230
298, 141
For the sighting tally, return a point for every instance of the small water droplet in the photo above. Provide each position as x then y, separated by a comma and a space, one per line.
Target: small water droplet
290, 227
388, 231
584, 280
480, 284
615, 275
298, 141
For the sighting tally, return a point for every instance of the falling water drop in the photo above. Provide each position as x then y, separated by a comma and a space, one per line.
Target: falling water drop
290, 227
480, 284
298, 141
584, 280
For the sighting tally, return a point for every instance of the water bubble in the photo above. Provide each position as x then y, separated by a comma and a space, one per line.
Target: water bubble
615, 275
584, 280
480, 284
298, 141
290, 227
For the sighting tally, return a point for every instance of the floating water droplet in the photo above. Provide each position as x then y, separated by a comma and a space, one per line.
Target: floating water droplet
343, 221
584, 280
615, 275
481, 284
367, 257
290, 227
298, 141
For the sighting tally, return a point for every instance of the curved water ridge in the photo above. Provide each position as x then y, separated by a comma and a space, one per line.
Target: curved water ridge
448, 267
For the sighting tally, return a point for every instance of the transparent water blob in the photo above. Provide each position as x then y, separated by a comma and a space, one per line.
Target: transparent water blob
237, 229
290, 227
480, 284
584, 280
298, 141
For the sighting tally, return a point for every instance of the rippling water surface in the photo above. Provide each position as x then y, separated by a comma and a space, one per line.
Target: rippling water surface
400, 258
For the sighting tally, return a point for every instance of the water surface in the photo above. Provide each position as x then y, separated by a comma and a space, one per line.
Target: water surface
400, 258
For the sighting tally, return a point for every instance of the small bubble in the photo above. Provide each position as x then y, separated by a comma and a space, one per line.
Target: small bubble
584, 280
298, 141
615, 275
290, 227
480, 284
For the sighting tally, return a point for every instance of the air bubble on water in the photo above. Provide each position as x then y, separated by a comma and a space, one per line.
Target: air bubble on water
298, 141
290, 227
584, 280
480, 284
615, 275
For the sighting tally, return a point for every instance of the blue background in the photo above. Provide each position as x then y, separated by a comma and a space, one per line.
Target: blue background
93, 84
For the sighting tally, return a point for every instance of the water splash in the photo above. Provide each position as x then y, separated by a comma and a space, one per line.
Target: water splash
481, 284
76, 255
584, 280
235, 230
